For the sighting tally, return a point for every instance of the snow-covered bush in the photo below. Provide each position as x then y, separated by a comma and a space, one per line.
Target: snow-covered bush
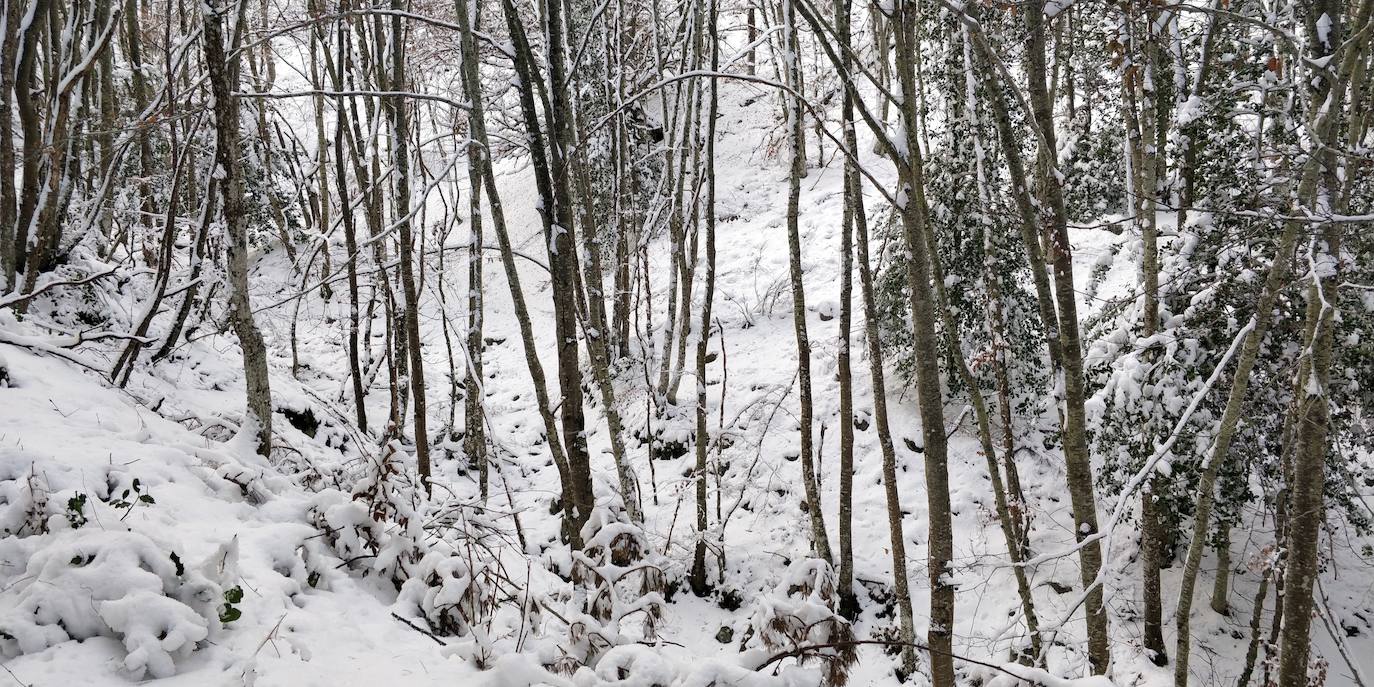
64, 578
81, 584
377, 530
621, 570
800, 618
453, 593
23, 502
633, 664
617, 577
1092, 148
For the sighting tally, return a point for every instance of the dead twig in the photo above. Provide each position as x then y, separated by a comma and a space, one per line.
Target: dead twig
421, 630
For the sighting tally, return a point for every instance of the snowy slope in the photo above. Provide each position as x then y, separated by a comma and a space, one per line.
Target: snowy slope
308, 618
231, 520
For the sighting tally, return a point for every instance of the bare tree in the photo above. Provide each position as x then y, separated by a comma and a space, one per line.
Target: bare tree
400, 142
474, 429
796, 170
1059, 256
698, 574
258, 419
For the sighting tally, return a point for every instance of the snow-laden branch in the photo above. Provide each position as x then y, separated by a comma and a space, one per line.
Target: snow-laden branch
1126, 499
1124, 502
16, 299
708, 74
313, 93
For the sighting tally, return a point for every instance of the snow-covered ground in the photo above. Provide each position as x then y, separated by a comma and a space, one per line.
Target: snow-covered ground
217, 517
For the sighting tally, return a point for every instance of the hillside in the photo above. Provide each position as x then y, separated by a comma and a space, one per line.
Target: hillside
157, 529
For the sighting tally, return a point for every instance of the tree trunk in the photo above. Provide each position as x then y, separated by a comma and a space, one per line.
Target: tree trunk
698, 576
10, 249
571, 454
563, 260
797, 169
1307, 513
400, 123
896, 535
1140, 110
1078, 461
1012, 525
1221, 588
930, 398
1256, 618
349, 229
849, 603
474, 431
258, 419
854, 209
31, 129
108, 110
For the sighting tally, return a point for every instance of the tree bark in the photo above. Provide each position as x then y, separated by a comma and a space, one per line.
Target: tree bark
1078, 461
796, 170
1221, 588
341, 126
258, 419
698, 575
30, 127
930, 398
1139, 106
10, 249
849, 603
400, 145
1307, 513
571, 451
474, 431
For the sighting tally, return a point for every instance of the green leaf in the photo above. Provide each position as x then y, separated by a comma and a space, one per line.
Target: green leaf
76, 510
146, 498
233, 595
228, 614
176, 560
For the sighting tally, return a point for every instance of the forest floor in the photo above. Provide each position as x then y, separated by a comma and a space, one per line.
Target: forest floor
69, 428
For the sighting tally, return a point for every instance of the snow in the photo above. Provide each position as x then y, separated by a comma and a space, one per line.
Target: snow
140, 587
105, 602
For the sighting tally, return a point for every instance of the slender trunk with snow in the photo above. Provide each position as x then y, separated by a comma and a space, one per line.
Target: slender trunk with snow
349, 230
930, 396
1139, 106
796, 170
698, 575
1059, 255
571, 447
400, 143
849, 604
474, 429
236, 210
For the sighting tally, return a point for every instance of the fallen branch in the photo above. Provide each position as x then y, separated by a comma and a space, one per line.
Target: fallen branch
23, 298
1034, 676
38, 346
421, 630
